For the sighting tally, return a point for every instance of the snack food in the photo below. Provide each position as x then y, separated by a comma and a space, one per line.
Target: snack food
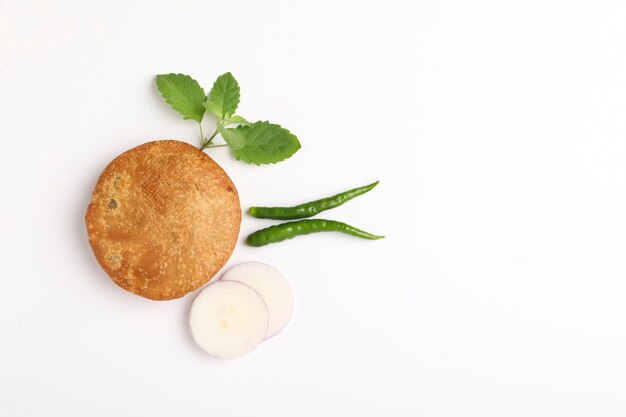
163, 219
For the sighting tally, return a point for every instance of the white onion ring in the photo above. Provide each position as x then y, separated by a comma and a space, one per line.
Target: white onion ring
272, 286
228, 319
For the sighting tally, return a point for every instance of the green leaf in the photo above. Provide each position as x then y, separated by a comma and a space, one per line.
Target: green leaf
232, 137
237, 119
266, 143
213, 108
183, 93
224, 96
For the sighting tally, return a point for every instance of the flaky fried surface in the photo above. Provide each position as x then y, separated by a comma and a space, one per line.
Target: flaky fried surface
163, 219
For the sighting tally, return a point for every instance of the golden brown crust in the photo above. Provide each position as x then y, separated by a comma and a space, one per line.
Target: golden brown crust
163, 219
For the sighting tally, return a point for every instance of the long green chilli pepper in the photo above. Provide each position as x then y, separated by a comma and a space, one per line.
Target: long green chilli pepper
311, 208
290, 230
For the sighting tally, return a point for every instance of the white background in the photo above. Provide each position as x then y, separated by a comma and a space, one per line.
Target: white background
497, 129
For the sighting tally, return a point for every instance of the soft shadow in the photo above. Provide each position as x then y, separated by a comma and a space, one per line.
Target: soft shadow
82, 250
79, 230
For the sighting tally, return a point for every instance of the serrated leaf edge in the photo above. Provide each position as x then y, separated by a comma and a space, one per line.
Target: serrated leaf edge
161, 76
269, 124
223, 115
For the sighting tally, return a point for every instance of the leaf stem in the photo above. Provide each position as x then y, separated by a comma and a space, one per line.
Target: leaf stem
212, 136
215, 146
201, 134
206, 143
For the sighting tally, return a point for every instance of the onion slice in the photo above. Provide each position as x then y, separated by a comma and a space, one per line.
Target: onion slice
272, 286
228, 319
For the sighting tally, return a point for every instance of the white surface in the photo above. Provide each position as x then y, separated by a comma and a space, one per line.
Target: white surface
497, 129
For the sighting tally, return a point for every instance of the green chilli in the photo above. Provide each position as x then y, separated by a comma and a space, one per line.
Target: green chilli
311, 208
290, 230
